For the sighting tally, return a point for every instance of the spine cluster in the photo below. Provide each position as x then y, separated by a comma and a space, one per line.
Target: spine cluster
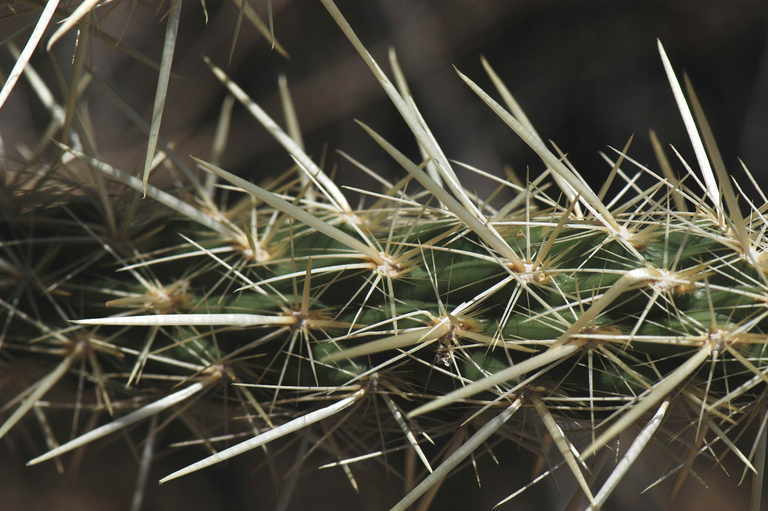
420, 313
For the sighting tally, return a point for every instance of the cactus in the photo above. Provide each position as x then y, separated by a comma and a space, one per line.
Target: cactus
421, 328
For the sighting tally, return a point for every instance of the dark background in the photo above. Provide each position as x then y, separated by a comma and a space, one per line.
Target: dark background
587, 73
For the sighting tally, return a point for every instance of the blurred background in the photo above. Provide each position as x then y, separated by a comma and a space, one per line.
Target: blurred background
587, 73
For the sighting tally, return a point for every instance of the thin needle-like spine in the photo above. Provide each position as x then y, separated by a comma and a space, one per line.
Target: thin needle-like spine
400, 419
482, 229
29, 49
289, 144
515, 371
84, 8
294, 211
40, 388
163, 79
459, 455
125, 421
240, 320
160, 196
629, 458
712, 190
664, 387
268, 436
563, 445
587, 195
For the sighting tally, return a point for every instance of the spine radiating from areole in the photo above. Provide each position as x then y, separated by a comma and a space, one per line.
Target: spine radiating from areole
414, 317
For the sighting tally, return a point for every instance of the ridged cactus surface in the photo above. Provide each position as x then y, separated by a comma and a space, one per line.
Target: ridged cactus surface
415, 324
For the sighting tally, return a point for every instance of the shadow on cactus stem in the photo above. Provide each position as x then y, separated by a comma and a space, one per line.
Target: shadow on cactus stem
417, 330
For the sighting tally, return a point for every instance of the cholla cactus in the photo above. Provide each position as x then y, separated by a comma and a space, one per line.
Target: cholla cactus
426, 319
